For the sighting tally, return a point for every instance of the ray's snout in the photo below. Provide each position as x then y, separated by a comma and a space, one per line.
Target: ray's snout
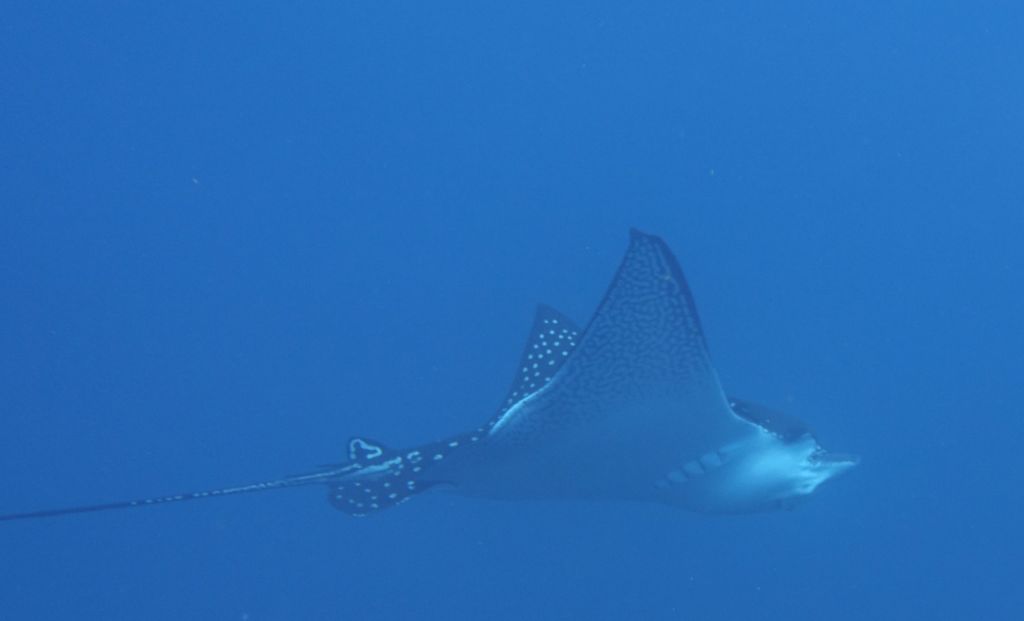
833, 464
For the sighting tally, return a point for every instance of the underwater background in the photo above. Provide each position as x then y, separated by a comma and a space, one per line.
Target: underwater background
234, 234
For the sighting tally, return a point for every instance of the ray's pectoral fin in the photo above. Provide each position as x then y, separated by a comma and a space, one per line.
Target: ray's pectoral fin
641, 368
551, 341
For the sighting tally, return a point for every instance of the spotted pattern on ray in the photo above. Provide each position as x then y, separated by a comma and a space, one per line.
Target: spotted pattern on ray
553, 337
385, 478
638, 382
644, 341
379, 478
363, 450
641, 369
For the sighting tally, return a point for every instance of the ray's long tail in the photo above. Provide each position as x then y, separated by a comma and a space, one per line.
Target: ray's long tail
324, 477
374, 478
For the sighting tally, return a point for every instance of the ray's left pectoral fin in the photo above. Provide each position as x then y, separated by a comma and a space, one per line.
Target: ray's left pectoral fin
552, 339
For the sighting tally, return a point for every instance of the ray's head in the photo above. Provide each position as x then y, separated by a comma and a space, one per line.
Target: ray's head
764, 471
784, 471
821, 465
780, 463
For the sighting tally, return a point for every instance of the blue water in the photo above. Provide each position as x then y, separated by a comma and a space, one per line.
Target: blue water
234, 234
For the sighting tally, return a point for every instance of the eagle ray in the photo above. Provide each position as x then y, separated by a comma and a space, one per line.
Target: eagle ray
629, 408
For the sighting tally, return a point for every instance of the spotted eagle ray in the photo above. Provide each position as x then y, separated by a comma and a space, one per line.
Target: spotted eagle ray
629, 408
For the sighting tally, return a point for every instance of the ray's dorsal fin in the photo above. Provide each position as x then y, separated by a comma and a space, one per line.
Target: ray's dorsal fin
552, 339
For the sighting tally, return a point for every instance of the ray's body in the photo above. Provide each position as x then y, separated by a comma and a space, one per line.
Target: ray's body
630, 408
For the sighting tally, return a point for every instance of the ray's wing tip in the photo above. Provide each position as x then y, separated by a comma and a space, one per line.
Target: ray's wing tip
546, 311
638, 238
635, 234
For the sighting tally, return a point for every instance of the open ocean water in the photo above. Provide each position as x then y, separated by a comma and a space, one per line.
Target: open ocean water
234, 234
